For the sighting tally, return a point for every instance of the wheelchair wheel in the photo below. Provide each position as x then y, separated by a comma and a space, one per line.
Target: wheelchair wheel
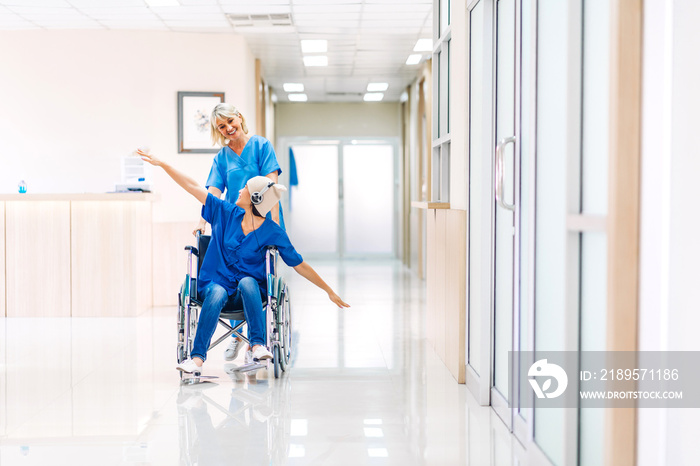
285, 330
277, 360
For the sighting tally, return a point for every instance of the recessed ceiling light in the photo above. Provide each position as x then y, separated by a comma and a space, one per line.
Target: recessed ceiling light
163, 2
314, 46
377, 87
378, 452
423, 45
315, 60
373, 96
414, 59
293, 87
298, 97
373, 432
297, 451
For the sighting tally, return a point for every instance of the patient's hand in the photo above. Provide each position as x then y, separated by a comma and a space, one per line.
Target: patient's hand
336, 300
150, 158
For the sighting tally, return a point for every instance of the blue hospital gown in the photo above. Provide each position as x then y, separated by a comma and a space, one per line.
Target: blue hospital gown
231, 255
230, 172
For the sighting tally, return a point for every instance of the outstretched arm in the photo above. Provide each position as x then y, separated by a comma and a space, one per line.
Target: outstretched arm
310, 274
187, 183
202, 225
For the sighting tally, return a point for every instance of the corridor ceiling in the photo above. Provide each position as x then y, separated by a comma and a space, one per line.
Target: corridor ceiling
368, 40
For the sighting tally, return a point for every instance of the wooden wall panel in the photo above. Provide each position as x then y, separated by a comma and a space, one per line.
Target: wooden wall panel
446, 280
2, 259
623, 211
111, 258
442, 250
456, 297
170, 259
431, 276
37, 259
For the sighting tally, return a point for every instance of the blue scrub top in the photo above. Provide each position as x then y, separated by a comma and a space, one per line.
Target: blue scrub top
230, 172
231, 255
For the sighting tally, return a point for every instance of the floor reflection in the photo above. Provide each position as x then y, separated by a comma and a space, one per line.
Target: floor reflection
364, 388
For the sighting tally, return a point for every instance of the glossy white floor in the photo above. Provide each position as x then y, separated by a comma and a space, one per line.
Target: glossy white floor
365, 388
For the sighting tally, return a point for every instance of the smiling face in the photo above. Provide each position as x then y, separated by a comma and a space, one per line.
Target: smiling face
230, 128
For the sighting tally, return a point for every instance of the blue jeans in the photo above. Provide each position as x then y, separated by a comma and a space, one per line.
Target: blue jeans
248, 297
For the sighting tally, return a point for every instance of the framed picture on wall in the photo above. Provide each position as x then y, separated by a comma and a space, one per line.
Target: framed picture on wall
193, 111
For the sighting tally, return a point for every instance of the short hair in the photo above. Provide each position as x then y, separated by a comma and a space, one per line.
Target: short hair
224, 111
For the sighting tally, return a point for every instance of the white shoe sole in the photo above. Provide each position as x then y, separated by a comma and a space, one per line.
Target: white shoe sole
196, 371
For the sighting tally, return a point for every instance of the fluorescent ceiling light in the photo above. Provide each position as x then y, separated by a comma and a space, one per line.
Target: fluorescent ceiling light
377, 87
299, 428
377, 452
373, 432
315, 60
163, 2
297, 97
414, 59
314, 46
423, 45
297, 451
293, 87
373, 96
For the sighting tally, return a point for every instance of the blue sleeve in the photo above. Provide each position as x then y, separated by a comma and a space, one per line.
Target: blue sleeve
216, 178
290, 256
267, 160
214, 210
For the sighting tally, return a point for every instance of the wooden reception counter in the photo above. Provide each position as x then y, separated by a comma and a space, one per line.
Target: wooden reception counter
78, 255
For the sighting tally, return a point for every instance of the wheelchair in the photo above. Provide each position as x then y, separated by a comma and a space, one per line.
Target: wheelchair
277, 308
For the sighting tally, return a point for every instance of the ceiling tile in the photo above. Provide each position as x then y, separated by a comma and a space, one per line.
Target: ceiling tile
255, 8
37, 3
331, 8
106, 3
389, 8
367, 39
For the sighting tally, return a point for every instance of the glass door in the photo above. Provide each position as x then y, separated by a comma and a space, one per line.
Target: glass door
504, 205
501, 108
354, 185
312, 233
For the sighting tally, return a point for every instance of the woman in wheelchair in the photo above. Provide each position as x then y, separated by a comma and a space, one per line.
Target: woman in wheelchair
234, 266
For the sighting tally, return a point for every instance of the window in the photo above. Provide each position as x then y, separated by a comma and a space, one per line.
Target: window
440, 168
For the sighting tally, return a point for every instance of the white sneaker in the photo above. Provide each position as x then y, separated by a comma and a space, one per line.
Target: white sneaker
189, 366
234, 346
249, 357
260, 353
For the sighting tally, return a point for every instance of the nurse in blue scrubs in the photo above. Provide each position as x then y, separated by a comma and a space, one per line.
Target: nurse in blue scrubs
234, 266
241, 158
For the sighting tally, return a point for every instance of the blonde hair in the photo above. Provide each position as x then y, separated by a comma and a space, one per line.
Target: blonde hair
224, 111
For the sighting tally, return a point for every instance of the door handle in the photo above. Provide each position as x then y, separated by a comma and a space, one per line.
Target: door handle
500, 170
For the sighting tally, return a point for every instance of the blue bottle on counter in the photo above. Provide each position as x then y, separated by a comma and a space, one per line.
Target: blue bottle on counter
22, 187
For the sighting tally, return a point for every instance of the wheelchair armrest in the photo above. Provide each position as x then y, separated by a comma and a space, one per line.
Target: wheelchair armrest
192, 249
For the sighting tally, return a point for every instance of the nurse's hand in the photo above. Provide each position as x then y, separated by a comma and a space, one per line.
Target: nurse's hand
201, 227
336, 300
150, 158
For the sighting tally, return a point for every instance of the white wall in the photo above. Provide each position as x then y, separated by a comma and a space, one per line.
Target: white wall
74, 102
372, 119
669, 249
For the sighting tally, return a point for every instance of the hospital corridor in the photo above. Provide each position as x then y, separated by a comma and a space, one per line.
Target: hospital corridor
349, 232
364, 388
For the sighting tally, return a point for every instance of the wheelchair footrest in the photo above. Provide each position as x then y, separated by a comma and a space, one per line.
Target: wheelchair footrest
195, 379
255, 366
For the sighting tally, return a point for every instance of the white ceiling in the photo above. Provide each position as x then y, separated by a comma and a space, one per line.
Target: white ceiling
368, 40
